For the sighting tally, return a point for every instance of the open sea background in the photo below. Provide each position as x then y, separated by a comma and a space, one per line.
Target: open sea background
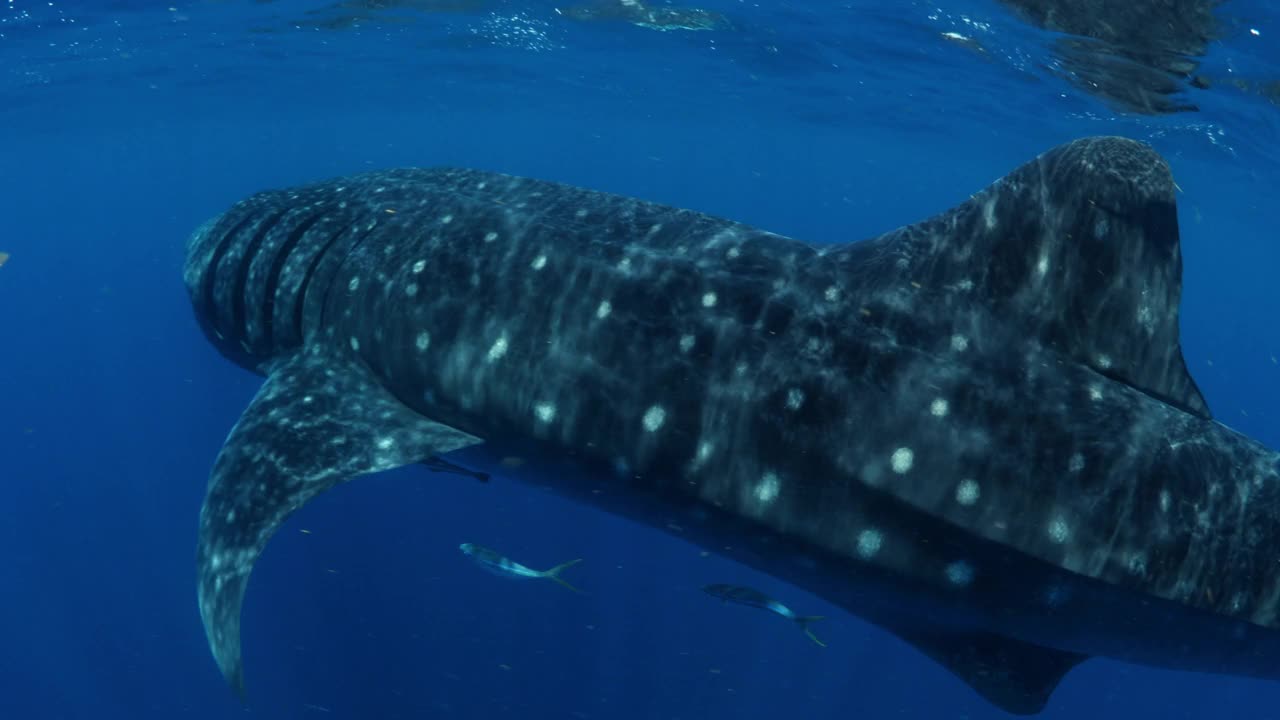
125, 124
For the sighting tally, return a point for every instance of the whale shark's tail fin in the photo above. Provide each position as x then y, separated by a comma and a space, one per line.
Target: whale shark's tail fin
319, 420
804, 620
554, 574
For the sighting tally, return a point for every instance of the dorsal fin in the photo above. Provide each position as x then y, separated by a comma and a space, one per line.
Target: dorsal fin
1079, 248
1082, 244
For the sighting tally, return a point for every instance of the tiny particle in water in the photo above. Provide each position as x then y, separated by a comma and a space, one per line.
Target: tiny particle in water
4, 258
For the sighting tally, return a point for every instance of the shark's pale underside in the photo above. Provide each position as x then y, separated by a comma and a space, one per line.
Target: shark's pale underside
976, 432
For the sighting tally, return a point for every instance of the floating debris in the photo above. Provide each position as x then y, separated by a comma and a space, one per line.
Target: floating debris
964, 41
4, 258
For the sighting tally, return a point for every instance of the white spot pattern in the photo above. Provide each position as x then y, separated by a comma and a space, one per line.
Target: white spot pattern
544, 411
499, 349
869, 543
654, 417
959, 573
795, 398
768, 488
1059, 531
902, 460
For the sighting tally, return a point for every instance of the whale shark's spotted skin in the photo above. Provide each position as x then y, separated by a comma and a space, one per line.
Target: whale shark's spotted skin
976, 431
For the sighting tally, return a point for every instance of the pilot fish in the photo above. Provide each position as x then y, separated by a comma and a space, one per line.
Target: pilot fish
755, 598
506, 567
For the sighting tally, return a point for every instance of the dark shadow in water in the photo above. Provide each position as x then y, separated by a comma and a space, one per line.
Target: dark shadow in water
354, 14
1139, 55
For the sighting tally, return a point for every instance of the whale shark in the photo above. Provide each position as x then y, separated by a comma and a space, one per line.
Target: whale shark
976, 432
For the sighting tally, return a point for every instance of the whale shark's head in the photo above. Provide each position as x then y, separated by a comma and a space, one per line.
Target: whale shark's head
259, 274
199, 273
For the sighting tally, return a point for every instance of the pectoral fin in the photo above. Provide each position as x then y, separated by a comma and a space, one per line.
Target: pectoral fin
317, 421
1015, 676
444, 466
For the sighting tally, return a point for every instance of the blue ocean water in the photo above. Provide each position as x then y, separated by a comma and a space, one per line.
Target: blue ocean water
123, 125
